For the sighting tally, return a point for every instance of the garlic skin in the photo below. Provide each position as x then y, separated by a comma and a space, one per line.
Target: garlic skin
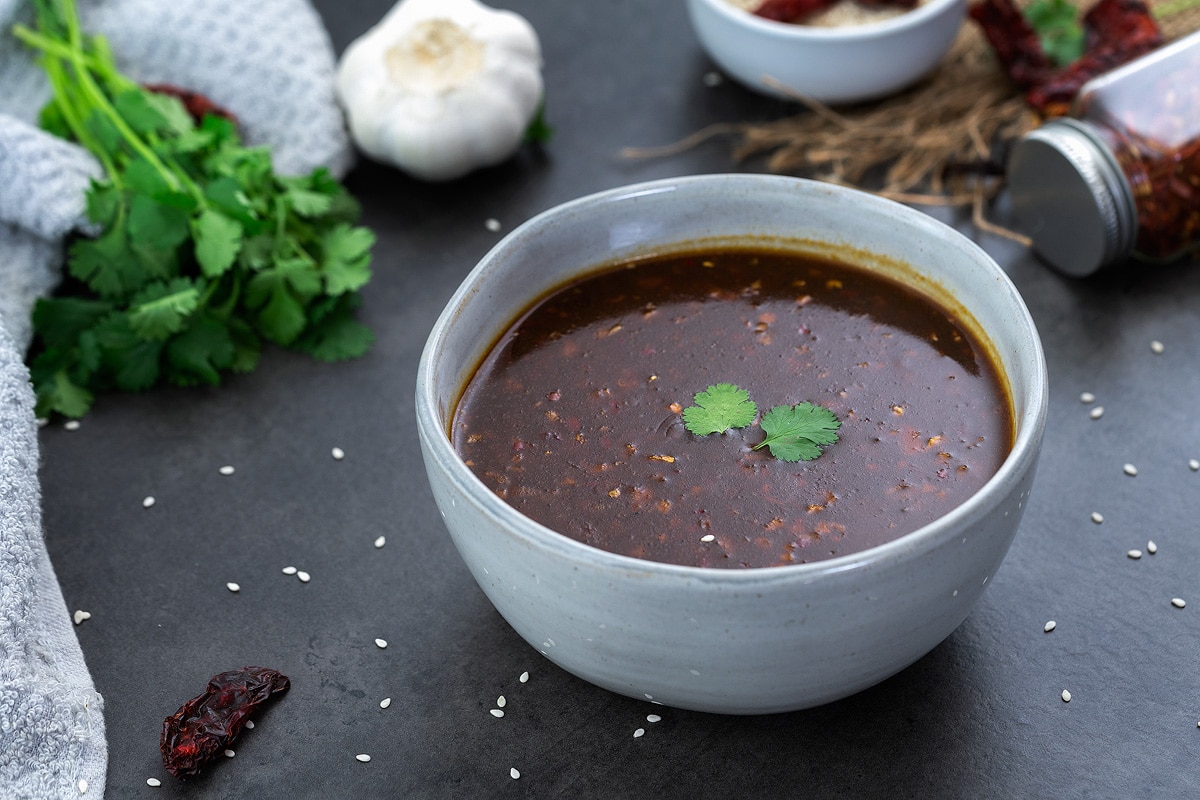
442, 87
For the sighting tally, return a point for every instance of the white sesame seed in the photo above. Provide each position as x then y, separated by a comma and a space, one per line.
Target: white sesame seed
514, 773
501, 702
1097, 412
1087, 397
1194, 465
303, 576
153, 782
1130, 470
1134, 554
495, 712
80, 615
1178, 602
492, 224
1066, 696
381, 643
1097, 517
708, 537
1049, 626
524, 677
230, 754
363, 757
653, 718
73, 425
249, 724
1157, 347
385, 702
233, 587
639, 733
82, 785
42, 422
1151, 547
226, 470
337, 453
380, 542
289, 570
149, 501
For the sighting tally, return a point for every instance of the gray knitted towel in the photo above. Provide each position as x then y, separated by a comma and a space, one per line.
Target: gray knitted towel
272, 64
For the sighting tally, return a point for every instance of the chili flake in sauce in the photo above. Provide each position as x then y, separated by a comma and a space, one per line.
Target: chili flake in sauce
574, 417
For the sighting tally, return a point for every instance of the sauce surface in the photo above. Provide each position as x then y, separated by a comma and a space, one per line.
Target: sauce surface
574, 417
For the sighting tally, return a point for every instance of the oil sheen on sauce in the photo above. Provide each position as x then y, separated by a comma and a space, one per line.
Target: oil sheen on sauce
574, 417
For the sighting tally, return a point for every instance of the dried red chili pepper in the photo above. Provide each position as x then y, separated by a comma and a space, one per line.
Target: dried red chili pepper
1013, 40
206, 725
196, 104
791, 10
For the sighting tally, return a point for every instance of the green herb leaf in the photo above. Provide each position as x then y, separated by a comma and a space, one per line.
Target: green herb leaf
347, 258
1059, 30
796, 433
719, 408
218, 240
161, 308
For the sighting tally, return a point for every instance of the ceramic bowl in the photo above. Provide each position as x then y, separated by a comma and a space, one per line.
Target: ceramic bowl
835, 65
727, 640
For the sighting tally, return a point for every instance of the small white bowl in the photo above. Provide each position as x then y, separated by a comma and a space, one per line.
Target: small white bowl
836, 65
728, 640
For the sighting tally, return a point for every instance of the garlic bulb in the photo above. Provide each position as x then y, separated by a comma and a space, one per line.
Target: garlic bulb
441, 87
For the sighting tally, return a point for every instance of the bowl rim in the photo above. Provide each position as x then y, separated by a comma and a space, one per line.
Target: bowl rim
1021, 457
840, 34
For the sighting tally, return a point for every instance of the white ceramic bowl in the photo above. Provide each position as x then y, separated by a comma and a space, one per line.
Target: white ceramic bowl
727, 640
844, 64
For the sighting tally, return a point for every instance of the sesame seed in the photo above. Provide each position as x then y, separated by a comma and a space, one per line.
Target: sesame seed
500, 701
1097, 412
1066, 696
289, 570
524, 677
639, 733
1134, 554
249, 724
514, 773
230, 754
1151, 547
226, 470
303, 576
385, 702
1130, 470
380, 542
1097, 517
1157, 347
492, 224
1194, 465
381, 643
1049, 626
153, 782
233, 587
73, 425
497, 713
80, 616
708, 537
1087, 397
82, 785
653, 718
363, 757
149, 501
337, 453
1178, 602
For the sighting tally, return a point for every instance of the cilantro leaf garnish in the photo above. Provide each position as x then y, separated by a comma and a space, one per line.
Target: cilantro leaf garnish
203, 252
796, 433
719, 408
1059, 31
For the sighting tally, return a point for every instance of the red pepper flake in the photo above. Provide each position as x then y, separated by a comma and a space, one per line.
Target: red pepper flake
205, 726
196, 104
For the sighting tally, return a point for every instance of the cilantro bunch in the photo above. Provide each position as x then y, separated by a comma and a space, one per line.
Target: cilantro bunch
203, 252
793, 433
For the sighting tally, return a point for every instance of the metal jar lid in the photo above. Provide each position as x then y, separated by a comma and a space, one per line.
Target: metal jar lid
1071, 198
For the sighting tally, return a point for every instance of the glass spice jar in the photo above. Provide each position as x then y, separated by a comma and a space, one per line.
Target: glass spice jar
1120, 176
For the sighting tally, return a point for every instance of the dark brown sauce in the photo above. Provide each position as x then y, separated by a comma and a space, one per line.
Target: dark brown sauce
574, 416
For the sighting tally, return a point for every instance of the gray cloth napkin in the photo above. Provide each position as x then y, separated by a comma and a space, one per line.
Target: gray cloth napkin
272, 64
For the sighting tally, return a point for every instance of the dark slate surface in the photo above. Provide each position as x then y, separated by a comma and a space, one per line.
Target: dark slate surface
979, 717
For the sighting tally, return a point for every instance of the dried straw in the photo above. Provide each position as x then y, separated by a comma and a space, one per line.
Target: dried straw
907, 147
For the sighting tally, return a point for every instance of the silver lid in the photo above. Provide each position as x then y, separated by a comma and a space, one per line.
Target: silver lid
1071, 198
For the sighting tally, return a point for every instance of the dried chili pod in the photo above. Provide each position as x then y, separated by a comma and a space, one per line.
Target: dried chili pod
1014, 41
196, 104
206, 725
791, 10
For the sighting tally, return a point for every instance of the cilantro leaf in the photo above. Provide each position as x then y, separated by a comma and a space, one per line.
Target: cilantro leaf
218, 240
796, 433
161, 308
200, 352
335, 335
719, 408
1058, 28
347, 258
